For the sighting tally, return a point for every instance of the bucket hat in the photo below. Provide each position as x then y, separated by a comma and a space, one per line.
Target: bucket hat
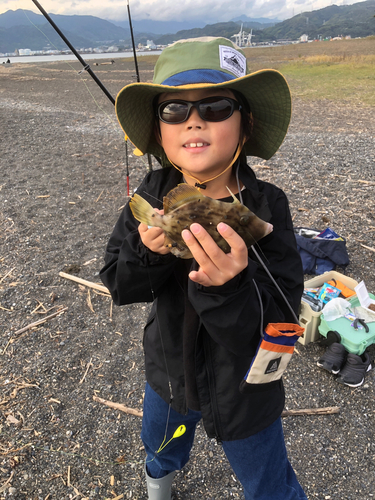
210, 63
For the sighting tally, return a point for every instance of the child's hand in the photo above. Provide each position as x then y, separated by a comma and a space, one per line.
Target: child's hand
215, 267
153, 237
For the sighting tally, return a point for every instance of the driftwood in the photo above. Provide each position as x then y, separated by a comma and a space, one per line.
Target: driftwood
118, 406
369, 183
311, 411
81, 281
368, 248
40, 321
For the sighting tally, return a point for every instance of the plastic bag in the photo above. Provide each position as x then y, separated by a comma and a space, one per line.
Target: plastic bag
336, 308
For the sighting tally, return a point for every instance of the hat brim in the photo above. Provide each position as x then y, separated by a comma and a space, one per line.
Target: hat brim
266, 91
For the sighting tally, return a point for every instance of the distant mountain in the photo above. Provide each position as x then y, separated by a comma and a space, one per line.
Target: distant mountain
89, 27
17, 32
30, 38
356, 20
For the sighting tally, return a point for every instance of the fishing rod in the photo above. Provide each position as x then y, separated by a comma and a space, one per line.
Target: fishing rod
133, 44
86, 66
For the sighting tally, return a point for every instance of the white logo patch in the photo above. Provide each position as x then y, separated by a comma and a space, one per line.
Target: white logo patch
232, 60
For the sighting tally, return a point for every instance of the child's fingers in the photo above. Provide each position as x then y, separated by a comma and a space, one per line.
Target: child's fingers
234, 240
200, 244
153, 238
211, 249
216, 267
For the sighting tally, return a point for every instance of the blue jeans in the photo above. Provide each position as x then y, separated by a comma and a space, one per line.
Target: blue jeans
260, 461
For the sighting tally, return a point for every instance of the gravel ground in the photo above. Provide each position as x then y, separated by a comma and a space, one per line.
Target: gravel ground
62, 186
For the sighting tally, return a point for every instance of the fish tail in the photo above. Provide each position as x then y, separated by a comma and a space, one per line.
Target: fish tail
142, 210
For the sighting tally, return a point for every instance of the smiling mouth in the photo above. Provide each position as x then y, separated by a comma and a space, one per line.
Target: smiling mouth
195, 145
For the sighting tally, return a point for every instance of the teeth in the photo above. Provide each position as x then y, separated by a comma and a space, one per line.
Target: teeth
194, 145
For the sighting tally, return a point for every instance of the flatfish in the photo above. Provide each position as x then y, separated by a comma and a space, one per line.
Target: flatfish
185, 204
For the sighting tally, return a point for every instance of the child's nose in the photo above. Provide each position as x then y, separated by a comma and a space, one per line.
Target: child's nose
194, 120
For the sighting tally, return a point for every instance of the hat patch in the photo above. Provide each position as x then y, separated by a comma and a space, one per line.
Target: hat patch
232, 60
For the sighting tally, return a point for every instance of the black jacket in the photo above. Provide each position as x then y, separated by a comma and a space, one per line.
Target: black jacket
212, 344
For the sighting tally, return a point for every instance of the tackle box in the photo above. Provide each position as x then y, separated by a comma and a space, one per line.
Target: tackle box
310, 319
354, 341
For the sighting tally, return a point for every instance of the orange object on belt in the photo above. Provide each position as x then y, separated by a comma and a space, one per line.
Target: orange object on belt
345, 291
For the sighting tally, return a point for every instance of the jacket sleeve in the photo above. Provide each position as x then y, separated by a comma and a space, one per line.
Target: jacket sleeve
234, 314
133, 273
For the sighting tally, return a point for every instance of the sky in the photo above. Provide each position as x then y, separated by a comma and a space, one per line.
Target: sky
176, 10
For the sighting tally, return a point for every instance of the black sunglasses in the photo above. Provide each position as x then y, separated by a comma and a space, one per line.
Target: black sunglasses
210, 109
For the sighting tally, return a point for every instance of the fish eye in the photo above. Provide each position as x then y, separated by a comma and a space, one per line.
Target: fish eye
244, 220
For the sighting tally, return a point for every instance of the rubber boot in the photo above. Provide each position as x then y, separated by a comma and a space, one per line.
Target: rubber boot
159, 489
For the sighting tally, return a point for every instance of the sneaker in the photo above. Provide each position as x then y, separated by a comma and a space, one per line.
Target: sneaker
333, 359
353, 373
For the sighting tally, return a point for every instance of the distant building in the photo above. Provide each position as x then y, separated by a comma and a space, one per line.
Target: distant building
24, 52
150, 45
304, 38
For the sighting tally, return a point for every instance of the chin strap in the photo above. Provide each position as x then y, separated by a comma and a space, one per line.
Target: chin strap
203, 185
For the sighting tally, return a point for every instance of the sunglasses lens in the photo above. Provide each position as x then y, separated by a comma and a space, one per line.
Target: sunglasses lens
212, 109
173, 112
215, 110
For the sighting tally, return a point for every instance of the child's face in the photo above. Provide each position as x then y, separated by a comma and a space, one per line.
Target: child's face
201, 148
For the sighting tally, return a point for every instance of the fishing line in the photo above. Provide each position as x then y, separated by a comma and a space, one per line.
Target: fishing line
180, 431
79, 72
266, 269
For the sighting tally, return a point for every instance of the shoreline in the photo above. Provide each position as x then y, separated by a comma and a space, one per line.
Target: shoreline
71, 57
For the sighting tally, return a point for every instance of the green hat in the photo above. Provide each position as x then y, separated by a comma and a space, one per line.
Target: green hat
215, 63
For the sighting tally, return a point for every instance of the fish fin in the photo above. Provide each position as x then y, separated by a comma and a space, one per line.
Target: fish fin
142, 210
181, 194
235, 200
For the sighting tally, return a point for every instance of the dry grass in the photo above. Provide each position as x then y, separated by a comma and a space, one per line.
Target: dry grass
342, 70
328, 59
275, 57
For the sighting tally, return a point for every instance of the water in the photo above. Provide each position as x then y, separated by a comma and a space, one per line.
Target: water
72, 57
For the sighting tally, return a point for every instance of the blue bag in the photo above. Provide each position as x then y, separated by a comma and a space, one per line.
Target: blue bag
321, 254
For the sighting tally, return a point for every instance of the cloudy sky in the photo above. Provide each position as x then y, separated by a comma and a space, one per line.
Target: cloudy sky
176, 10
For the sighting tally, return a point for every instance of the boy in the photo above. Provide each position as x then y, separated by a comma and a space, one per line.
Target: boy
201, 116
